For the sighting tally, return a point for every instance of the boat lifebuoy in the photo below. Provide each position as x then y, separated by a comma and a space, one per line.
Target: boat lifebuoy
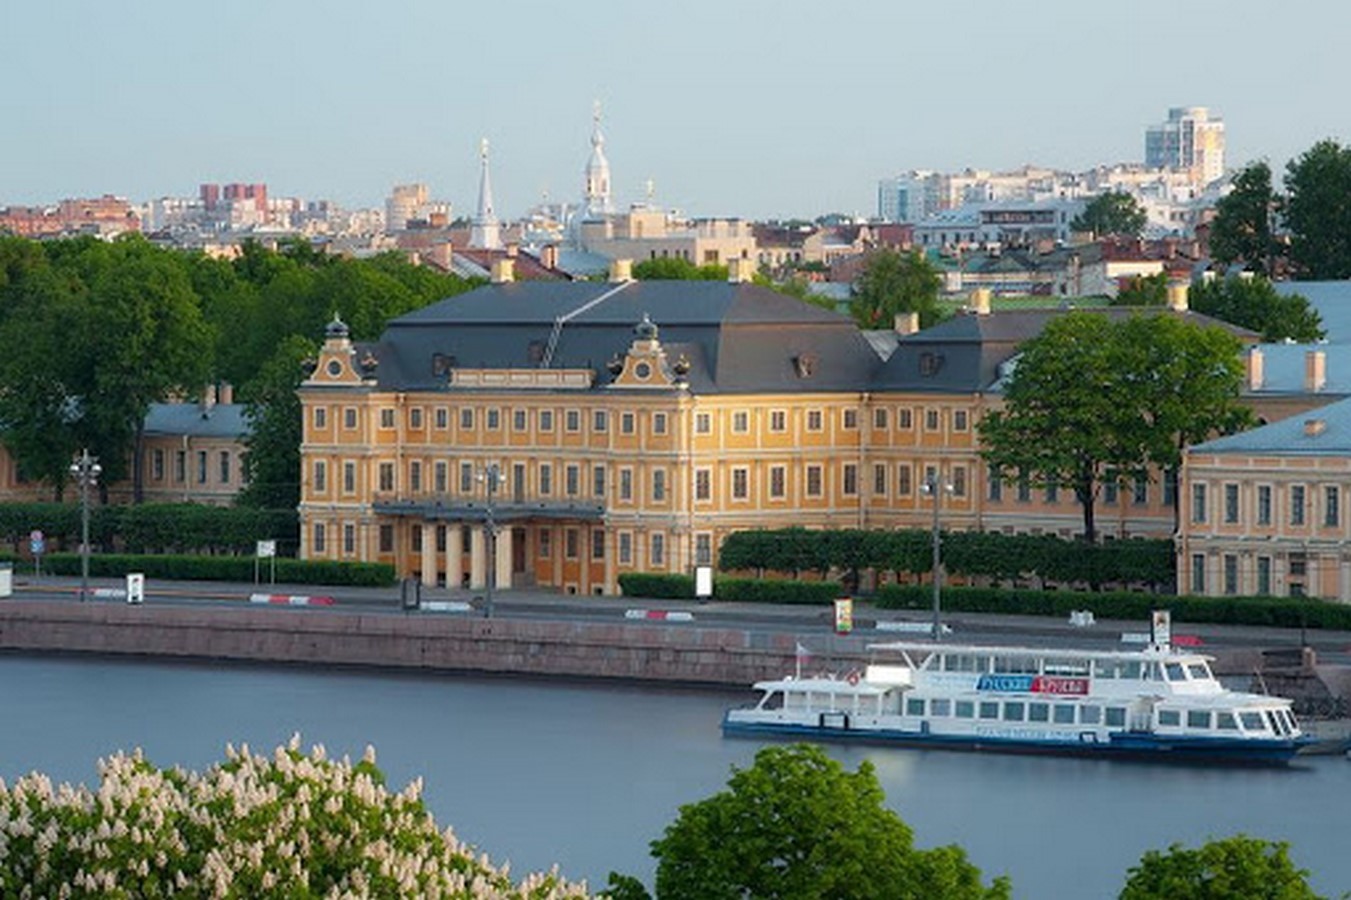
853, 678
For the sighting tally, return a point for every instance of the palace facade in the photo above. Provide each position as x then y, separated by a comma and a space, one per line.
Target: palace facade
622, 426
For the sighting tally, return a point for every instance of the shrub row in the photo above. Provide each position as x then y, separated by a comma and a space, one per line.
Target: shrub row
659, 586
1282, 612
153, 527
222, 568
1001, 557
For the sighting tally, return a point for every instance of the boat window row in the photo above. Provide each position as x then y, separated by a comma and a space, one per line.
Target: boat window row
1278, 721
1107, 669
1018, 711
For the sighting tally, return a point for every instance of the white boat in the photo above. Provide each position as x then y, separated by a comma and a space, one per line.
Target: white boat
1153, 701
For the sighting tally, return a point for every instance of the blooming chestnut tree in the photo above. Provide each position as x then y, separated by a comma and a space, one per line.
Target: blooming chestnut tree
289, 825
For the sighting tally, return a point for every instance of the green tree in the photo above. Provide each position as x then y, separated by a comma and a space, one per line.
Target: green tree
892, 283
798, 825
1064, 421
102, 333
1092, 400
1184, 384
284, 825
675, 268
1144, 290
1253, 303
1318, 212
1241, 231
794, 286
146, 339
1235, 868
276, 429
1111, 213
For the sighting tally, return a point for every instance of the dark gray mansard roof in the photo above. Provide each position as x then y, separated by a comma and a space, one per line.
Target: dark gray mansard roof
963, 354
737, 337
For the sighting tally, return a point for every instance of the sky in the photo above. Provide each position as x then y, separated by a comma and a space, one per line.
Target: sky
751, 108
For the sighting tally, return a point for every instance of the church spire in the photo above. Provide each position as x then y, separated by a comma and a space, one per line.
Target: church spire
596, 201
485, 233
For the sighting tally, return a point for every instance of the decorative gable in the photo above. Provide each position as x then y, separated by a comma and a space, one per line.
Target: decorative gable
338, 364
645, 365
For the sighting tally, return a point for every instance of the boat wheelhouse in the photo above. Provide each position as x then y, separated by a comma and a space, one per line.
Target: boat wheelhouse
1153, 701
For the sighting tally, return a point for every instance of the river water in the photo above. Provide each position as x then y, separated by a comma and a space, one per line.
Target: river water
585, 775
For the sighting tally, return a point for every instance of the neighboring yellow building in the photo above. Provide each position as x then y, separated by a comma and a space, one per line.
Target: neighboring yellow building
634, 425
1264, 512
192, 452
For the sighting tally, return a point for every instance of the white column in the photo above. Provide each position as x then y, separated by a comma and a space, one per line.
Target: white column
454, 555
478, 559
428, 554
503, 561
611, 582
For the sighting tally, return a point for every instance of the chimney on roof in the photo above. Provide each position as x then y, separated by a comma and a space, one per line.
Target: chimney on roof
1314, 427
504, 270
208, 398
225, 393
1315, 370
980, 301
513, 249
548, 256
441, 254
621, 270
739, 270
1177, 296
1253, 367
906, 323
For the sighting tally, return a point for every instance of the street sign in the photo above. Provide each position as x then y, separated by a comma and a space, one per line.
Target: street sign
135, 587
37, 542
267, 549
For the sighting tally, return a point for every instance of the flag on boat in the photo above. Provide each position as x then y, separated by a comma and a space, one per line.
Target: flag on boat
803, 654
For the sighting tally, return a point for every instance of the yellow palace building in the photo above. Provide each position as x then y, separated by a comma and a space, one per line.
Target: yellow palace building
622, 426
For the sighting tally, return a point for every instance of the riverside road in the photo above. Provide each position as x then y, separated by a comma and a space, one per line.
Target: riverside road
814, 624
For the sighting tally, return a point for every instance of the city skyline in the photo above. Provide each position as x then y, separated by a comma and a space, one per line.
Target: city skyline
755, 110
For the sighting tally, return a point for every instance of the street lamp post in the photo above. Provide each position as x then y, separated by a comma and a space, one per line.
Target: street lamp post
935, 488
86, 471
491, 476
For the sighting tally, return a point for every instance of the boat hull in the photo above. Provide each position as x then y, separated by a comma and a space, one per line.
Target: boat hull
1121, 745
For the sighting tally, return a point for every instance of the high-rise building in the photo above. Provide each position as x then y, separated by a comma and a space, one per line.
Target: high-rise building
1191, 139
403, 203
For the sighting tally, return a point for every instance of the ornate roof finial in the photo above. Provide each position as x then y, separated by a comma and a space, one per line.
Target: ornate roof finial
646, 330
336, 328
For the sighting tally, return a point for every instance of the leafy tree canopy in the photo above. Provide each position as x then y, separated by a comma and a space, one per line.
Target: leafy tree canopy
1254, 303
1318, 212
892, 283
1235, 868
1241, 232
1092, 400
97, 331
1144, 290
274, 827
675, 268
1111, 213
798, 825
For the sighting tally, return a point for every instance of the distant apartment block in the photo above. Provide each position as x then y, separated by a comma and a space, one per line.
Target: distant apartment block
106, 216
1189, 140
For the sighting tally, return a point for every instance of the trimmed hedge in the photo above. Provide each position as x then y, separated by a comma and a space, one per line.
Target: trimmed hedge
1279, 612
979, 554
154, 527
658, 586
222, 568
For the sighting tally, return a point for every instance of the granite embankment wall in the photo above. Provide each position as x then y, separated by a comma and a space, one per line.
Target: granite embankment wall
708, 656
